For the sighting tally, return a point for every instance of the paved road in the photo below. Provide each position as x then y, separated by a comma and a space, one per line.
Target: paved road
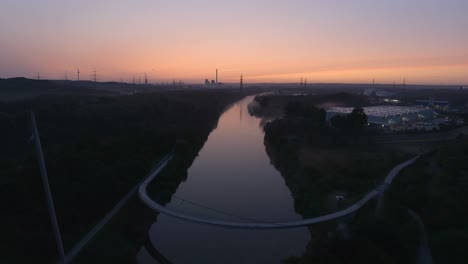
389, 179
377, 192
424, 255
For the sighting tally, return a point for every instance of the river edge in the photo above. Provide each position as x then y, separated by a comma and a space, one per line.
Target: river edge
128, 231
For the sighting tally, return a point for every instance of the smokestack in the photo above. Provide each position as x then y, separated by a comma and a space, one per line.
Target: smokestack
216, 75
241, 83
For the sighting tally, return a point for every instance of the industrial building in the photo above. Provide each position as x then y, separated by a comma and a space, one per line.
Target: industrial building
388, 116
433, 103
213, 83
378, 93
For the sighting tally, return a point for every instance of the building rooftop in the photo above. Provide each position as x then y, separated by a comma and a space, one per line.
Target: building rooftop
381, 110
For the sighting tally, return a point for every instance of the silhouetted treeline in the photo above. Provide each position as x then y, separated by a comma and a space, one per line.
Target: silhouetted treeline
356, 121
304, 122
274, 105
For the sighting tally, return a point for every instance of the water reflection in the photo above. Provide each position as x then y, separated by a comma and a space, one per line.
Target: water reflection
231, 174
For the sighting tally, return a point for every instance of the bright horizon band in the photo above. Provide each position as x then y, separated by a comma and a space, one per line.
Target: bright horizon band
267, 41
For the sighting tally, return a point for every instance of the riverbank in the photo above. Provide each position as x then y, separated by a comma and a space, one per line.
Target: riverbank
326, 171
324, 180
231, 179
96, 149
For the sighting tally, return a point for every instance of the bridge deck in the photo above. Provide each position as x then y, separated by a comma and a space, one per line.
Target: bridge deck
280, 225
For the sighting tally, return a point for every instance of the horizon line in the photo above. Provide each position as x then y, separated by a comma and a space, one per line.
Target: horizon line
230, 83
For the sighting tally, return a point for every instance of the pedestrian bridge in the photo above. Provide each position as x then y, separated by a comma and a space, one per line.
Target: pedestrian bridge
375, 193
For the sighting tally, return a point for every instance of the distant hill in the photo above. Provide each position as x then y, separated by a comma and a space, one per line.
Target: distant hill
23, 84
22, 88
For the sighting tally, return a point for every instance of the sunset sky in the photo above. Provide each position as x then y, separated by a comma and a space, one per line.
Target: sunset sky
425, 41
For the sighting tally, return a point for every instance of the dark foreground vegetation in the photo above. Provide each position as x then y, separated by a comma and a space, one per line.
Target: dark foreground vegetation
96, 149
321, 161
435, 187
128, 231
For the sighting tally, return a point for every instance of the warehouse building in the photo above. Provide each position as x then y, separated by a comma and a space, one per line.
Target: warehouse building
388, 116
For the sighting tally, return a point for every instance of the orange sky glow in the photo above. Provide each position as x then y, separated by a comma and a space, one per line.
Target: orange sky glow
267, 41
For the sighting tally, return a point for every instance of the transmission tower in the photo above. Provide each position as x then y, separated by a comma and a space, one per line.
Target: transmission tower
78, 71
95, 78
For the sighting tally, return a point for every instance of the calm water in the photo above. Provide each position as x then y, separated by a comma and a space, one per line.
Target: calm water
232, 174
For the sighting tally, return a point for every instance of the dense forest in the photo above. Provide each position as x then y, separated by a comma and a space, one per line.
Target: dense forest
96, 149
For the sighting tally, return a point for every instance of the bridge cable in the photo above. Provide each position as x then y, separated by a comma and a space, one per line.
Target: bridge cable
216, 210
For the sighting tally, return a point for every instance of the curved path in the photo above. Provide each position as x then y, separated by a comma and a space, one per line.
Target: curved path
258, 225
424, 256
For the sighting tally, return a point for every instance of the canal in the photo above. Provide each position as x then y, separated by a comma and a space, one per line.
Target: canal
231, 179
